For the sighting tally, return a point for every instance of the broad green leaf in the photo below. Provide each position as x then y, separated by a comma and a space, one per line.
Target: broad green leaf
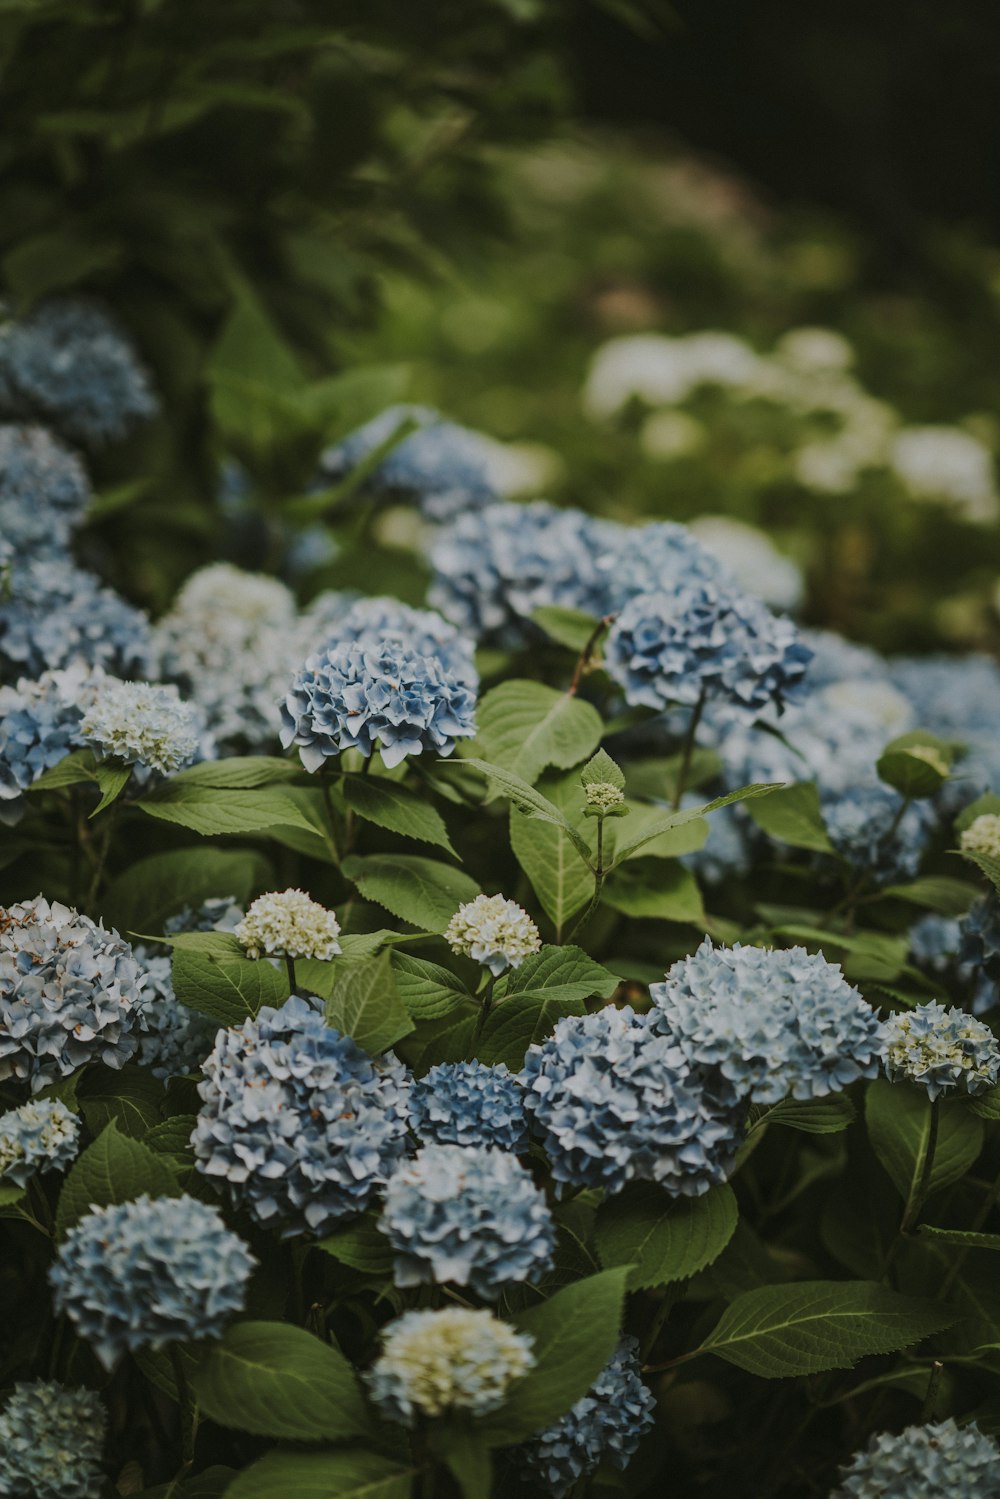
988, 802
525, 727
9, 1194
989, 866
665, 843
575, 1332
667, 821
872, 955
72, 770
814, 1116
570, 627
518, 1022
423, 892
112, 779
426, 989
915, 764
173, 1136
113, 1169
559, 877
792, 815
250, 346
664, 1238
132, 1097
278, 1381
558, 973
937, 892
149, 892
239, 772
960, 1237
466, 1454
805, 1328
601, 770
986, 1105
365, 1004
353, 1474
360, 1245
663, 890
531, 803
225, 987
395, 807
898, 1116
214, 810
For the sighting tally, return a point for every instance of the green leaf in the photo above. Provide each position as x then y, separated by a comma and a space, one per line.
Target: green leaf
212, 810
9, 1194
560, 879
395, 807
531, 803
779, 1331
362, 1246
173, 1136
663, 890
575, 1332
72, 770
792, 815
112, 780
898, 1116
665, 822
132, 1097
525, 727
570, 627
663, 843
601, 770
915, 764
323, 1475
960, 1237
113, 1169
664, 1238
426, 989
365, 1004
989, 866
937, 892
149, 892
519, 1022
278, 1381
986, 1105
814, 1116
225, 987
557, 973
465, 1453
423, 892
239, 772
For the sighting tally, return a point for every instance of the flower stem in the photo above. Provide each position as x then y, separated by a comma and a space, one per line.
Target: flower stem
188, 1411
599, 873
290, 970
688, 749
587, 654
485, 1005
918, 1198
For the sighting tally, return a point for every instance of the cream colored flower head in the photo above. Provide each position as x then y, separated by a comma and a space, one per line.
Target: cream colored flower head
493, 931
288, 924
983, 836
434, 1363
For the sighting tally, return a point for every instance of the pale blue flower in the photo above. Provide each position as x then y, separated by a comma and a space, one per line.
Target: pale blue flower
41, 1135
942, 1050
467, 1103
177, 1039
39, 726
370, 621
980, 942
958, 699
53, 614
51, 1440
939, 1461
866, 828
44, 491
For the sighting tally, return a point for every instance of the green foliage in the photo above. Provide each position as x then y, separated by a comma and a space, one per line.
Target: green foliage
364, 1003
111, 1170
225, 984
423, 892
664, 1238
898, 1116
526, 727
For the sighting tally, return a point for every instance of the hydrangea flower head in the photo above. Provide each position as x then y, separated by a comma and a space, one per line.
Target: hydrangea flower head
980, 940
150, 1272
467, 1103
142, 723
772, 1023
381, 696
53, 614
613, 1101
472, 1216
51, 1439
177, 1039
39, 726
493, 931
451, 1361
942, 1050
604, 1426
288, 924
982, 836
299, 1121
937, 1461
865, 827
70, 993
42, 1135
43, 491
370, 621
706, 640
659, 557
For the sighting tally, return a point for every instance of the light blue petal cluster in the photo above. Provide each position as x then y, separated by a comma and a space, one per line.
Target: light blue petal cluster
706, 639
70, 364
941, 1050
468, 1215
467, 1103
42, 1135
300, 1122
43, 492
51, 1439
958, 698
613, 1101
862, 824
440, 464
150, 1272
371, 621
39, 726
604, 1426
727, 852
980, 944
659, 557
940, 1461
70, 993
771, 1023
383, 696
52, 614
178, 1039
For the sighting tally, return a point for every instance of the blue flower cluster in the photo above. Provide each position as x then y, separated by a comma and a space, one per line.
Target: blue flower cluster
467, 1103
980, 941
768, 1023
51, 1439
371, 621
150, 1272
613, 1101
467, 1215
298, 1120
70, 993
68, 363
53, 614
604, 1426
177, 1039
869, 827
39, 726
42, 1135
381, 696
942, 1050
706, 640
440, 464
43, 492
940, 1461
660, 557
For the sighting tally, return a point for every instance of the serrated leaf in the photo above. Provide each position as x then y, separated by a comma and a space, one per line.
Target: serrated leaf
323, 1475
663, 890
395, 807
601, 770
365, 1004
211, 810
560, 879
814, 1116
225, 987
72, 770
792, 815
899, 1127
279, 1381
667, 821
960, 1237
145, 895
362, 1246
560, 973
131, 1096
423, 892
986, 1105
531, 803
112, 779
525, 727
173, 1136
518, 1022
915, 764
113, 1169
989, 866
239, 772
426, 989
779, 1331
937, 892
664, 1238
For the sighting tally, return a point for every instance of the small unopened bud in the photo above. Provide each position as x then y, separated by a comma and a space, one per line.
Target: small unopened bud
601, 795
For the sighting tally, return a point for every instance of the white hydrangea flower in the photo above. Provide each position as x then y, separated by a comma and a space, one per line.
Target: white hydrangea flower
672, 434
493, 931
603, 795
753, 559
945, 463
451, 1360
289, 924
142, 723
815, 351
940, 1049
983, 835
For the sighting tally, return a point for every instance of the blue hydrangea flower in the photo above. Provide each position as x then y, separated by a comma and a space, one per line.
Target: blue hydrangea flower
613, 1101
659, 557
39, 726
472, 1216
669, 648
43, 491
934, 942
300, 1122
862, 824
39, 1136
980, 943
70, 364
838, 660
447, 1362
940, 1461
150, 1272
53, 614
51, 1439
942, 1050
382, 696
70, 993
440, 464
771, 1023
604, 1426
371, 621
958, 698
467, 1103
177, 1039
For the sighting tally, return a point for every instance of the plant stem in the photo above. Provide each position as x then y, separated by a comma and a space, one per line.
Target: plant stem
485, 1005
923, 1186
102, 856
599, 873
928, 1409
587, 654
188, 1411
988, 1204
290, 970
688, 749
